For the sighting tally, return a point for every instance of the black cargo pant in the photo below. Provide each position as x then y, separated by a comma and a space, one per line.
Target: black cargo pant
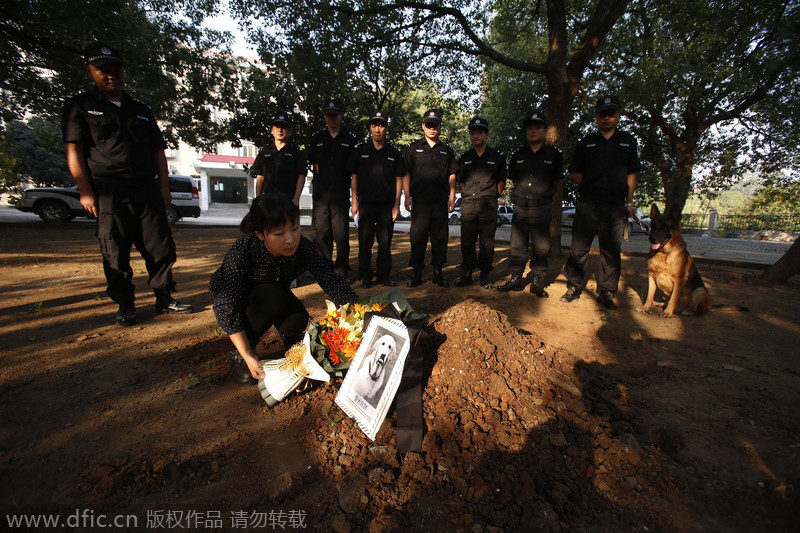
478, 220
133, 214
530, 239
332, 224
270, 304
607, 221
428, 219
375, 220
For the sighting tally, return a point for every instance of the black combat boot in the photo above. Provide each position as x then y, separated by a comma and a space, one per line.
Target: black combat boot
465, 279
537, 287
126, 315
572, 294
514, 283
416, 278
606, 298
438, 279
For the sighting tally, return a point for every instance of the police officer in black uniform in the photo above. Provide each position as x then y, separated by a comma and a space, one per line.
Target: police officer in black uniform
329, 152
280, 167
377, 169
604, 166
115, 153
482, 177
536, 171
430, 189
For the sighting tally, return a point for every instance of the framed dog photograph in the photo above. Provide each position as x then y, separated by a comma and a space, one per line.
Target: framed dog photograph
374, 375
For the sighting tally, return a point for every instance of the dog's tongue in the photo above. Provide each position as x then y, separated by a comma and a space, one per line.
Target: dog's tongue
655, 246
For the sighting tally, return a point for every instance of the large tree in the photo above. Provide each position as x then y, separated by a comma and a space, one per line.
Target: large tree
169, 56
711, 84
447, 34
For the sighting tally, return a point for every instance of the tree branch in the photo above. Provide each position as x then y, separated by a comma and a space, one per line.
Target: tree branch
482, 48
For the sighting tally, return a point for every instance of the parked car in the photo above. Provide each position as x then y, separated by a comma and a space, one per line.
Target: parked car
53, 204
185, 198
504, 214
568, 214
62, 204
455, 216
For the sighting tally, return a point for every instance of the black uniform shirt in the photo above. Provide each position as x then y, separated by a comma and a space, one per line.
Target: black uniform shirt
377, 172
605, 165
430, 169
481, 174
280, 168
119, 142
248, 264
330, 154
535, 175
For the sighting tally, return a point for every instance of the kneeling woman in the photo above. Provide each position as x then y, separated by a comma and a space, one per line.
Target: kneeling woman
252, 287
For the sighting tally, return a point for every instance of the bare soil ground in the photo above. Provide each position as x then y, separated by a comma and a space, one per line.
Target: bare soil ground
541, 416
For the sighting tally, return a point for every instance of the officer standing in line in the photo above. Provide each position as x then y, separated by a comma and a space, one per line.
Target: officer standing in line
482, 178
329, 152
536, 171
377, 171
115, 153
604, 166
281, 166
430, 189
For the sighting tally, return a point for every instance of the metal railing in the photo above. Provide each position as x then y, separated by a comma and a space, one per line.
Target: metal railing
730, 224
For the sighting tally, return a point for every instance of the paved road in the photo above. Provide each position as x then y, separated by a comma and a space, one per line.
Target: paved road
739, 251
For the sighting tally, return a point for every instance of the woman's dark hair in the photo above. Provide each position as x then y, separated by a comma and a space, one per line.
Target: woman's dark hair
268, 212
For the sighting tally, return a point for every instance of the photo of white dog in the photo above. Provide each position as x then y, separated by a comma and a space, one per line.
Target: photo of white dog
375, 368
369, 387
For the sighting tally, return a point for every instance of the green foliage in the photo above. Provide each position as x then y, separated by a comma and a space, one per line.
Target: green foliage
708, 85
33, 152
205, 377
777, 197
195, 380
41, 45
509, 94
323, 53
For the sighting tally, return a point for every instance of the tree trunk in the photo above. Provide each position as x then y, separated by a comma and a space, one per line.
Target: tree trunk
678, 187
785, 267
561, 92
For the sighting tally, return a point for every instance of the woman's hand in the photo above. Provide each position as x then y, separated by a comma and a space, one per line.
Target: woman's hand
254, 365
242, 345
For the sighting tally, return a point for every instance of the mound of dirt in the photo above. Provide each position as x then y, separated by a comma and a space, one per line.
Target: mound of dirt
619, 421
512, 442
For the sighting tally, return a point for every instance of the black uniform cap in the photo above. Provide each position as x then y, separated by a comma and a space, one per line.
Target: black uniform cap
378, 116
609, 101
536, 117
99, 54
434, 115
332, 106
478, 122
282, 119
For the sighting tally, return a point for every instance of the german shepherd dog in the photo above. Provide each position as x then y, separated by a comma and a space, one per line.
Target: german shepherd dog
672, 269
